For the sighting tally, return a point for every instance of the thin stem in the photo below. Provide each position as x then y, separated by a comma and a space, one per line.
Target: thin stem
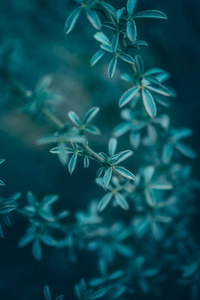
52, 117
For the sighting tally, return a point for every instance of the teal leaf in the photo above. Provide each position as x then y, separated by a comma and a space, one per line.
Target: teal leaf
107, 177
72, 163
139, 64
131, 30
121, 129
93, 18
98, 294
121, 201
112, 145
127, 58
135, 139
159, 89
102, 38
161, 185
149, 103
106, 48
167, 153
150, 14
186, 150
128, 95
123, 156
61, 297
7, 209
119, 13
47, 293
181, 133
25, 240
90, 115
112, 67
131, 6
115, 43
71, 20
148, 173
104, 201
92, 129
96, 57
62, 154
125, 173
109, 8
74, 118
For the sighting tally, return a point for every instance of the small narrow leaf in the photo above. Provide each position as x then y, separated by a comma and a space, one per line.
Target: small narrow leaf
93, 18
131, 31
47, 293
107, 177
112, 67
131, 6
115, 43
71, 20
72, 163
96, 57
74, 118
149, 103
121, 201
123, 156
104, 201
128, 95
112, 146
102, 38
150, 14
127, 58
125, 173
90, 115
186, 150
139, 64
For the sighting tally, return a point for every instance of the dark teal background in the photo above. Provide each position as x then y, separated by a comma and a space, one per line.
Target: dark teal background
34, 30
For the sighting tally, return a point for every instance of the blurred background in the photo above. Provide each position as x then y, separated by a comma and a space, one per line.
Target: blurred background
32, 31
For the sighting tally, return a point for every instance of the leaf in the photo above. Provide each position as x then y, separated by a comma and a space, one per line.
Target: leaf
102, 38
148, 173
47, 293
62, 154
135, 139
181, 133
128, 95
116, 275
96, 57
109, 8
90, 115
122, 156
61, 297
37, 250
190, 269
139, 64
131, 30
131, 6
49, 200
159, 89
115, 43
92, 129
98, 294
186, 150
25, 240
119, 13
150, 14
72, 163
7, 209
106, 48
149, 103
121, 201
93, 18
161, 185
112, 67
104, 201
107, 177
112, 145
127, 58
167, 153
74, 118
71, 20
121, 129
125, 173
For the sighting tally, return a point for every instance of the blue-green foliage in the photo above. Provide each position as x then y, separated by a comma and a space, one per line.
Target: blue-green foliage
132, 253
